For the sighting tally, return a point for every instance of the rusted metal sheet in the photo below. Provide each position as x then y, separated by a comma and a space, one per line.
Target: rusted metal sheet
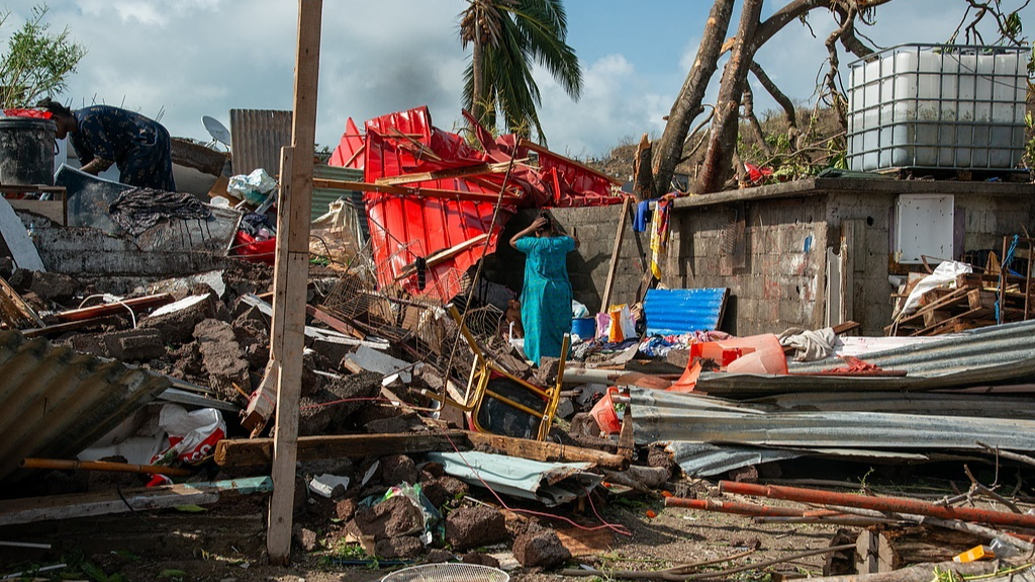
55, 402
257, 136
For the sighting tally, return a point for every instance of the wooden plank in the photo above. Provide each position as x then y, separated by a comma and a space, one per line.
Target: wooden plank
53, 210
14, 311
259, 452
972, 315
956, 295
605, 297
14, 511
289, 293
418, 192
444, 255
474, 170
548, 452
525, 143
333, 322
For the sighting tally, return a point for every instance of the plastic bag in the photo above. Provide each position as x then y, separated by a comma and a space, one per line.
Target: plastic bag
578, 310
431, 514
621, 324
254, 187
192, 435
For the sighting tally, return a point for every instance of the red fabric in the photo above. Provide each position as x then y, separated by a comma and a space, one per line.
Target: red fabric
259, 251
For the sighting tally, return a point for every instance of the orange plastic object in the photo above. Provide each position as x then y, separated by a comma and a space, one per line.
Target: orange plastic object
615, 333
651, 513
726, 352
974, 554
604, 413
688, 381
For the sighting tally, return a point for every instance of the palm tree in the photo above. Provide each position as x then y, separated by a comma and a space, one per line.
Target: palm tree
508, 36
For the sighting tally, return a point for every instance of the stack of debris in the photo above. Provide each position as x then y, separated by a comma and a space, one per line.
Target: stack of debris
954, 298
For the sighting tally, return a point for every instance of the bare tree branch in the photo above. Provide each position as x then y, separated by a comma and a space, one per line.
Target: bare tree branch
688, 105
784, 101
748, 103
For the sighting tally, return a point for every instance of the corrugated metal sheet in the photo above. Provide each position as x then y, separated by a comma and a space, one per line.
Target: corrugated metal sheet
670, 416
550, 483
980, 357
679, 311
55, 402
257, 136
935, 403
704, 460
1000, 346
322, 197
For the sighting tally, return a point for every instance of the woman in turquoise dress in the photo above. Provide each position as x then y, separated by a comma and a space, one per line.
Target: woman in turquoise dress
546, 294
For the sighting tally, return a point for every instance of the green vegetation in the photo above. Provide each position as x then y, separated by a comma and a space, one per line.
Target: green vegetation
37, 62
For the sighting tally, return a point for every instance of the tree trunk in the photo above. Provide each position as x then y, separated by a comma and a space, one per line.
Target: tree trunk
643, 181
688, 105
723, 139
478, 85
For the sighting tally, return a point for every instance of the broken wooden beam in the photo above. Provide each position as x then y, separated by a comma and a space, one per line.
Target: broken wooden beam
14, 311
443, 255
333, 322
547, 452
73, 464
13, 511
259, 452
418, 192
475, 170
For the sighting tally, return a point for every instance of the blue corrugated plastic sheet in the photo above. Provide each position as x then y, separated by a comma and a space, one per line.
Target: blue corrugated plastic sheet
679, 311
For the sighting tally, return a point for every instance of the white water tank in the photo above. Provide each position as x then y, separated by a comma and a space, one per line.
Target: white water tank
925, 106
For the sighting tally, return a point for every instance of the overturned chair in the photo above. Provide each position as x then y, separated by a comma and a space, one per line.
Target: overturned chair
498, 402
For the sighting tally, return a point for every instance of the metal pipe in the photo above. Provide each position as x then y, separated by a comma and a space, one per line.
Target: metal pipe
732, 507
896, 504
65, 465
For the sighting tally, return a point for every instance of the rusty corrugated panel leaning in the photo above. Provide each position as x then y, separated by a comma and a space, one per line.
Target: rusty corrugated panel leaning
257, 136
55, 402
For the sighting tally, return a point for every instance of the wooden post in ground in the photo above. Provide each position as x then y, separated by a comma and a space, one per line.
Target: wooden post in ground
291, 273
609, 284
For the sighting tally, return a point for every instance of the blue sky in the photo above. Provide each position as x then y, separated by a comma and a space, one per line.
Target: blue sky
181, 59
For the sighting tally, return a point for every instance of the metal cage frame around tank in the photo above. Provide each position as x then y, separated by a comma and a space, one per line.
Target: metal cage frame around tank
897, 136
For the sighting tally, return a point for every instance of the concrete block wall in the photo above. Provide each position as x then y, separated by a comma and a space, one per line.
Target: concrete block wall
780, 284
872, 214
587, 267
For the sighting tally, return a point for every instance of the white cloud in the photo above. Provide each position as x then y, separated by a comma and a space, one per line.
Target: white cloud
189, 58
616, 103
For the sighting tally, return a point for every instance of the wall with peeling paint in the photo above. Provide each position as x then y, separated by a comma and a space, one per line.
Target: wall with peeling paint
776, 269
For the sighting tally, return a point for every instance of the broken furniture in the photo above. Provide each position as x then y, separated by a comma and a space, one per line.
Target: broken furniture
500, 402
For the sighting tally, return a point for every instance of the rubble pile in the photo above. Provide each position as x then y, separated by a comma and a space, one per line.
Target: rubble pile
425, 436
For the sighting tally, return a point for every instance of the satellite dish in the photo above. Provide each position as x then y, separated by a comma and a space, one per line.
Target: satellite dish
217, 130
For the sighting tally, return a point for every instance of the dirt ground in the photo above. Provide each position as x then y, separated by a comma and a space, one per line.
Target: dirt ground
225, 546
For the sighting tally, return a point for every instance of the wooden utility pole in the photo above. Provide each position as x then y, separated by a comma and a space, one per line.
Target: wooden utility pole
291, 273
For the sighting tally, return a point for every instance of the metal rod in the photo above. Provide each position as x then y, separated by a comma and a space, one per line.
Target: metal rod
65, 465
733, 507
897, 504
